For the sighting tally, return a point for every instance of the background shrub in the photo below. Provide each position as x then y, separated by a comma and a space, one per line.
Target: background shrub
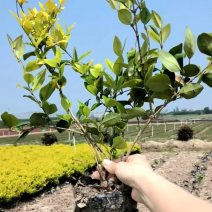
185, 133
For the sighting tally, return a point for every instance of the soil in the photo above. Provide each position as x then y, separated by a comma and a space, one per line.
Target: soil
180, 164
176, 146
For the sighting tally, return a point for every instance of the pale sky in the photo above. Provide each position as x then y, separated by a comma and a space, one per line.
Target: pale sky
96, 26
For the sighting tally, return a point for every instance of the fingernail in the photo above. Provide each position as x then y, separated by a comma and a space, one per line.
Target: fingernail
106, 163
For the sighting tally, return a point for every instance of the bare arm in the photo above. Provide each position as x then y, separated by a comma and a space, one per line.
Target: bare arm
158, 194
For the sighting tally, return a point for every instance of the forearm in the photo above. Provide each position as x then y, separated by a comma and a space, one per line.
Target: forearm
159, 195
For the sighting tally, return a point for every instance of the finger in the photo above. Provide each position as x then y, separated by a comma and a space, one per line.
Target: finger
109, 166
95, 175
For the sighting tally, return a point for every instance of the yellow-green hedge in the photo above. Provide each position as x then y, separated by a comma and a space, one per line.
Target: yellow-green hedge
28, 169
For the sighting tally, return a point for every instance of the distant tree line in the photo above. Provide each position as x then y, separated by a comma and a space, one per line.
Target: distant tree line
176, 111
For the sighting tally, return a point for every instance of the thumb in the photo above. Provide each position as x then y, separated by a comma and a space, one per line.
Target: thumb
109, 166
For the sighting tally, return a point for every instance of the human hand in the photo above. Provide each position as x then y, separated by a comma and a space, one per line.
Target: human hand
130, 172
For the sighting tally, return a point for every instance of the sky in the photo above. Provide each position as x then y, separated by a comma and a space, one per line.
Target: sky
96, 26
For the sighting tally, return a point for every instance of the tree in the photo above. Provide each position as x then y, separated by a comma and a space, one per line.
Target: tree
140, 75
206, 110
177, 109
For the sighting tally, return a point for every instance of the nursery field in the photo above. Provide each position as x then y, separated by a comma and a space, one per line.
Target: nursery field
155, 132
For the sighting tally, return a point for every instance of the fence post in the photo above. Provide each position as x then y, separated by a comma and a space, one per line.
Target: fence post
152, 130
69, 135
165, 126
174, 126
74, 142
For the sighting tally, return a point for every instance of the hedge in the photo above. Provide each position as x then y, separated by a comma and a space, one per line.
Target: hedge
28, 169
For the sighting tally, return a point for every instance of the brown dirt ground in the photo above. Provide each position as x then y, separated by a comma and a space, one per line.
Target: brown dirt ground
177, 168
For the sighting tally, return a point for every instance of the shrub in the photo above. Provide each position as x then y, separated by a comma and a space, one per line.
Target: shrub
28, 169
49, 139
185, 133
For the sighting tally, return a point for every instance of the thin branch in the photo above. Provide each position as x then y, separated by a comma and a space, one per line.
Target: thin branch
60, 128
17, 8
67, 53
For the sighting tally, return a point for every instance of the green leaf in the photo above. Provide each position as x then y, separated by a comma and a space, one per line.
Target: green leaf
117, 47
177, 50
113, 4
154, 29
190, 70
117, 68
204, 43
84, 55
191, 90
163, 95
134, 113
38, 80
112, 103
58, 56
49, 108
32, 98
131, 55
66, 117
137, 95
144, 48
10, 40
19, 47
32, 66
86, 111
9, 120
92, 89
75, 57
119, 143
109, 80
39, 120
96, 105
131, 83
207, 79
28, 55
145, 16
111, 119
62, 124
66, 104
120, 81
28, 78
47, 90
109, 64
169, 61
154, 36
148, 75
89, 121
159, 83
190, 43
166, 32
125, 16
51, 63
23, 135
156, 19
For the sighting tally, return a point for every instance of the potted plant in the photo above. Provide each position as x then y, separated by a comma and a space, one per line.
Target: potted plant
139, 76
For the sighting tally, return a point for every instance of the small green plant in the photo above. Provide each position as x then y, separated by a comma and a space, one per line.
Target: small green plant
185, 133
138, 73
200, 178
49, 139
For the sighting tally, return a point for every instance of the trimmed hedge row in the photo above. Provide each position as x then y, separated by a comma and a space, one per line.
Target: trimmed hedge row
28, 169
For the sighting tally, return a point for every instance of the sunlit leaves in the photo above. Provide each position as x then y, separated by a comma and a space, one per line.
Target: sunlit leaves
117, 47
38, 80
169, 61
18, 45
47, 90
32, 66
154, 36
28, 78
110, 119
49, 108
66, 104
156, 19
119, 143
190, 43
133, 113
166, 32
125, 16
